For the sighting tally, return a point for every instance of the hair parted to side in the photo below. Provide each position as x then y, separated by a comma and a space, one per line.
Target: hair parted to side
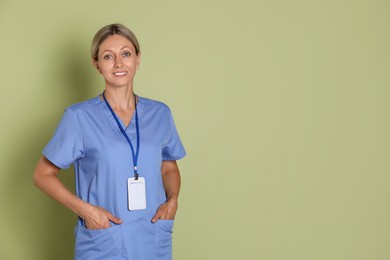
108, 31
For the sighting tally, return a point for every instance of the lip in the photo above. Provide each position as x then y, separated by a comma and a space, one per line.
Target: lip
120, 73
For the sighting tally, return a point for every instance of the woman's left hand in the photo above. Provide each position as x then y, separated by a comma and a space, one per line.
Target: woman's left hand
171, 181
166, 211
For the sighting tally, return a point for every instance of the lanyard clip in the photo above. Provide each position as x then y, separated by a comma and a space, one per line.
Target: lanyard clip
135, 173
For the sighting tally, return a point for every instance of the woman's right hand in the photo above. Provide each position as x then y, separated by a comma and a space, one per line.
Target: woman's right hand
99, 218
45, 178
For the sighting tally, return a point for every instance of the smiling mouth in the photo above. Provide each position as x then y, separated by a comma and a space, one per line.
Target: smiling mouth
120, 74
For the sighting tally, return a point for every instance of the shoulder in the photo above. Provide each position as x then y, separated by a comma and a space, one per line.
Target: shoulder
83, 106
154, 105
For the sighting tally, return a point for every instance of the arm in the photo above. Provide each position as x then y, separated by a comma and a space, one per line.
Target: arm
171, 181
45, 178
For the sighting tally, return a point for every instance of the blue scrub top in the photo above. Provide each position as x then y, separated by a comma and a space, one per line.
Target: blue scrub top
88, 137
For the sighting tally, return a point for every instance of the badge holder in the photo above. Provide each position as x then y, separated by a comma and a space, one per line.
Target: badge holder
136, 193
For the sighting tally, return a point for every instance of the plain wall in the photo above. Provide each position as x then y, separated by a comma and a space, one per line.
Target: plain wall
283, 107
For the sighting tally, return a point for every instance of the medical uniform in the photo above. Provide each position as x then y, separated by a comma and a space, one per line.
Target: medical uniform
88, 137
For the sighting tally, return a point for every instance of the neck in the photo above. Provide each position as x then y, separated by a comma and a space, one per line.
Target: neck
120, 98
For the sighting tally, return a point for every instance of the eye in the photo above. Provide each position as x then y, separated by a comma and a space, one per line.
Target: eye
126, 54
107, 57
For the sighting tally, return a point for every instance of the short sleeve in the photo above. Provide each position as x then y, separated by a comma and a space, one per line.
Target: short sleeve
66, 146
173, 149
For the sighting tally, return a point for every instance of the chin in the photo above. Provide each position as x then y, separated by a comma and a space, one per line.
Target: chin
120, 83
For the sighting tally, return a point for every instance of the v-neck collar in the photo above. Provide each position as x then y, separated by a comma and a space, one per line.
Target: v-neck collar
131, 126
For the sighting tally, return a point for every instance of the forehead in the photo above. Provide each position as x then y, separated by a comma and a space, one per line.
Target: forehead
115, 42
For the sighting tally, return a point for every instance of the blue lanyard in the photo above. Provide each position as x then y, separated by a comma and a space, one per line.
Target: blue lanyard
134, 154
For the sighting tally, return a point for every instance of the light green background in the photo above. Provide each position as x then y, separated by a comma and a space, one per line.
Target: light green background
283, 107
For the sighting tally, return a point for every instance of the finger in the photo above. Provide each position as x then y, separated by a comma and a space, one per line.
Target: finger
105, 225
172, 214
165, 215
169, 213
156, 216
97, 225
113, 218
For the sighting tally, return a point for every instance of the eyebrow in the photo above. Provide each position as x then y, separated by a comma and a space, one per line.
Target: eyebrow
124, 47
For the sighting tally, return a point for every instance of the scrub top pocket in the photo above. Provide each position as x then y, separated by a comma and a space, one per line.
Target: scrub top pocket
98, 244
163, 239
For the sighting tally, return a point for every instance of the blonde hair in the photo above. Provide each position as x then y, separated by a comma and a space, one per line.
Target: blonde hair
108, 31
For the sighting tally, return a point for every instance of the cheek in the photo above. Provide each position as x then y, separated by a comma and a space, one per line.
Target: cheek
135, 64
105, 68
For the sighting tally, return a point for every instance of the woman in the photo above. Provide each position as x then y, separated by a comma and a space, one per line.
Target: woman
124, 150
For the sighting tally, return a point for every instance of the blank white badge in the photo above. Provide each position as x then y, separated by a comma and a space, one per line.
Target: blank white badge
137, 195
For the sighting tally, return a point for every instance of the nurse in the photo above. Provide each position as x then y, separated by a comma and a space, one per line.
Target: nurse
124, 150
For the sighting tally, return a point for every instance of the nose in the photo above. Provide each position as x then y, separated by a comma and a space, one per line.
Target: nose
118, 61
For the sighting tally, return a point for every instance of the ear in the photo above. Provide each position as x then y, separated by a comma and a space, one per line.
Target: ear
138, 59
96, 65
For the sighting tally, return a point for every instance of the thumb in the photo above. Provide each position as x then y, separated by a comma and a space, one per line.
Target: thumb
114, 219
156, 217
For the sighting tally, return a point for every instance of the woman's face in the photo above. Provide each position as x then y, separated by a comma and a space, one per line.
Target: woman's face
117, 61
